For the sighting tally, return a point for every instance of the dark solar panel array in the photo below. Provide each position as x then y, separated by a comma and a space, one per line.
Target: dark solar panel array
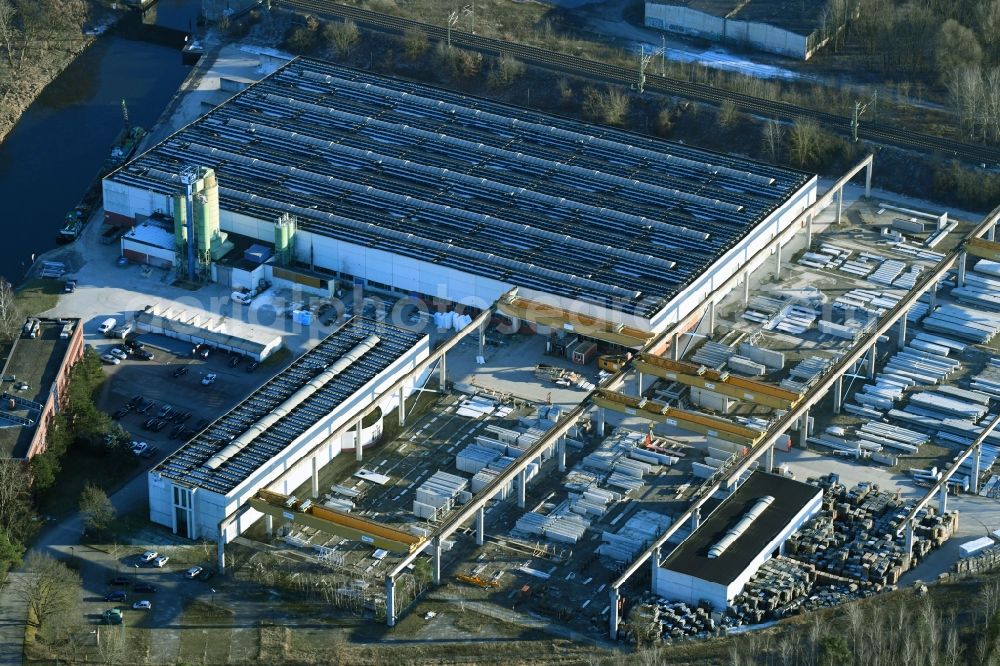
187, 464
533, 200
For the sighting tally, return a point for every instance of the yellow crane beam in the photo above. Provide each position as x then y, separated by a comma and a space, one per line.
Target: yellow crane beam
335, 522
591, 327
982, 248
681, 418
740, 388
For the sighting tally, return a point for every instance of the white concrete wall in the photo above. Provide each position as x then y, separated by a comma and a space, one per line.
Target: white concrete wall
762, 36
129, 201
211, 508
691, 589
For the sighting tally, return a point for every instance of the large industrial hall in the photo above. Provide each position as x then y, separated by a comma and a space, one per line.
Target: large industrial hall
405, 187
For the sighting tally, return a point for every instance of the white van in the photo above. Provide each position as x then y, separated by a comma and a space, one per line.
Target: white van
107, 326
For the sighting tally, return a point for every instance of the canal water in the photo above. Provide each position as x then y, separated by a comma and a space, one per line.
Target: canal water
52, 154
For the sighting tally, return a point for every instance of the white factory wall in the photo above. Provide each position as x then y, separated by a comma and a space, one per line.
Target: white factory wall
413, 275
130, 201
210, 508
737, 259
762, 36
691, 589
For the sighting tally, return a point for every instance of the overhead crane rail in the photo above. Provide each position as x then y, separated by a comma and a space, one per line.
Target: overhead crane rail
362, 530
689, 374
548, 315
663, 413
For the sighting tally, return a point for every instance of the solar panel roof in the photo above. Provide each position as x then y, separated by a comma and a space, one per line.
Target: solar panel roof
188, 464
568, 208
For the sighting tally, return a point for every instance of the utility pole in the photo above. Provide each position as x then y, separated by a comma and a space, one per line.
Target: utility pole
663, 55
859, 109
643, 63
452, 20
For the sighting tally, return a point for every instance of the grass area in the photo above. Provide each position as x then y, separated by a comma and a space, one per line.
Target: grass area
207, 634
80, 466
38, 295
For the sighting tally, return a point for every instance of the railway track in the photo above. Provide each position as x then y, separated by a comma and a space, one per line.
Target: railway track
887, 135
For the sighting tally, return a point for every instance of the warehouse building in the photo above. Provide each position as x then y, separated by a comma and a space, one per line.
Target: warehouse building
292, 416
199, 327
794, 28
404, 187
34, 378
744, 531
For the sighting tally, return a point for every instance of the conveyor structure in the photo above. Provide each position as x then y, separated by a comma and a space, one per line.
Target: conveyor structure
362, 530
661, 413
690, 374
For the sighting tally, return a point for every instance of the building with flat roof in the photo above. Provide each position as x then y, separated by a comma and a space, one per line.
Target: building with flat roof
292, 416
34, 378
199, 327
795, 28
750, 526
403, 186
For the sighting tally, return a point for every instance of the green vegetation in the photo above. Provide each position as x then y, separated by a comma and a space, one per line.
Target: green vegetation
96, 509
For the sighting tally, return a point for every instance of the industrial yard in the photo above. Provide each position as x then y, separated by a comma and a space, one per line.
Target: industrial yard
763, 398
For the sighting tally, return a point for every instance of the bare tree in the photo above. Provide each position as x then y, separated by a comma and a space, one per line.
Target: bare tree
772, 135
112, 644
10, 313
956, 47
16, 510
728, 114
97, 510
48, 587
342, 36
415, 43
505, 71
805, 142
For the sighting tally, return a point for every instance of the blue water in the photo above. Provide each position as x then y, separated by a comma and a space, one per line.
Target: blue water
51, 156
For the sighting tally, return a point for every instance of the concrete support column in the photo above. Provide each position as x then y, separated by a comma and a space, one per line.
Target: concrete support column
777, 260
711, 318
908, 536
443, 370
961, 269
746, 288
977, 454
402, 405
390, 601
221, 554
872, 353
840, 204
902, 331
315, 477
613, 613
932, 297
809, 232
638, 383
561, 453
991, 233
868, 180
804, 429
480, 526
268, 525
675, 347
357, 439
838, 394
522, 482
436, 560
599, 423
943, 499
769, 457
482, 339
696, 519
654, 560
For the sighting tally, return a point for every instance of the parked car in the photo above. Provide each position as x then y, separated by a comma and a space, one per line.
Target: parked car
69, 286
180, 371
145, 406
133, 345
138, 448
143, 355
110, 360
159, 425
142, 605
122, 412
119, 353
202, 351
164, 411
136, 401
206, 574
253, 366
193, 572
150, 452
177, 431
113, 616
208, 379
145, 587
161, 561
116, 595
149, 556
